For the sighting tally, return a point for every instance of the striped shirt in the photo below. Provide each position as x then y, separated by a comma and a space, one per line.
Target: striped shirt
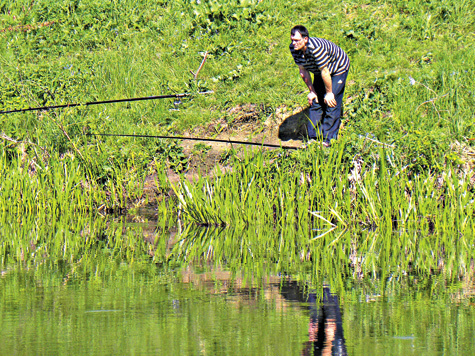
321, 53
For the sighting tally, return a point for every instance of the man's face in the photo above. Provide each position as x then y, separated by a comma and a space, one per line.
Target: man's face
299, 42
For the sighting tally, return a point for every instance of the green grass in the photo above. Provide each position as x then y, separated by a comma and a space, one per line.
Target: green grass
317, 186
67, 184
94, 51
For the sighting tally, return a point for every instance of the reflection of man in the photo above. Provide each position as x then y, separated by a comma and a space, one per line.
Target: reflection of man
325, 328
330, 65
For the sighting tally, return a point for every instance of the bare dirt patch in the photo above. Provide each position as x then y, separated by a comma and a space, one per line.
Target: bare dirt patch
247, 123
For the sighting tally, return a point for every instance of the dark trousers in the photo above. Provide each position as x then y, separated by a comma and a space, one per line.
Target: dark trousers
323, 118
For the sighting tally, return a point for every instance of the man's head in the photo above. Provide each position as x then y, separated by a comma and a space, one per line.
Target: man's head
299, 37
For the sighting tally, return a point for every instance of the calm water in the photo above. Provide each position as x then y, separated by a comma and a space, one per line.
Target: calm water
132, 314
118, 304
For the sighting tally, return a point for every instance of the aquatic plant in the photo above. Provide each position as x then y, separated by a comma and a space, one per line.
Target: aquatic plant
318, 187
62, 184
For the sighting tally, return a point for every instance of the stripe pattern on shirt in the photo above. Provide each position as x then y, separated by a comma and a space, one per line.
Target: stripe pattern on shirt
320, 53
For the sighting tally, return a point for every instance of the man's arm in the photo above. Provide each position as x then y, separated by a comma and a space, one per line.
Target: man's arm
307, 78
327, 81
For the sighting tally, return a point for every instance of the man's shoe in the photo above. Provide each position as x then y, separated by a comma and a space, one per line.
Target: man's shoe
308, 143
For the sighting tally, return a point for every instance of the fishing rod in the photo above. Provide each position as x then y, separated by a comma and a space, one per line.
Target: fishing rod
103, 102
196, 139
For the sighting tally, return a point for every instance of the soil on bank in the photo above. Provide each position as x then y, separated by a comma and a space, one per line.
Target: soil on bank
247, 123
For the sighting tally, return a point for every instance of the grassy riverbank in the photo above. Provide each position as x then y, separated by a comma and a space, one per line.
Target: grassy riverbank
410, 91
328, 187
411, 82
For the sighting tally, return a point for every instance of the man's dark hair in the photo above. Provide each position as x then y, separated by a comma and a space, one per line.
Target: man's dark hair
301, 29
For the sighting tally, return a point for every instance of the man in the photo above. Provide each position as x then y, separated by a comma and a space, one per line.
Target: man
329, 65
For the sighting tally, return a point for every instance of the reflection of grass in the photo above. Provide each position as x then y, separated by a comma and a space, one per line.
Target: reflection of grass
67, 241
157, 311
63, 285
381, 261
73, 247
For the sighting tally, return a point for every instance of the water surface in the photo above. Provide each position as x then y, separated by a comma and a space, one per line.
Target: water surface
112, 286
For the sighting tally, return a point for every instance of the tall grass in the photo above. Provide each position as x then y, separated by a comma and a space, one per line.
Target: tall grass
66, 184
324, 188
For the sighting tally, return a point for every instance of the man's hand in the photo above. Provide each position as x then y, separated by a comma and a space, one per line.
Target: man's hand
310, 98
330, 100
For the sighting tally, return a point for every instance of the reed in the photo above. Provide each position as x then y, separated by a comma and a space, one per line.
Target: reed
321, 188
62, 184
